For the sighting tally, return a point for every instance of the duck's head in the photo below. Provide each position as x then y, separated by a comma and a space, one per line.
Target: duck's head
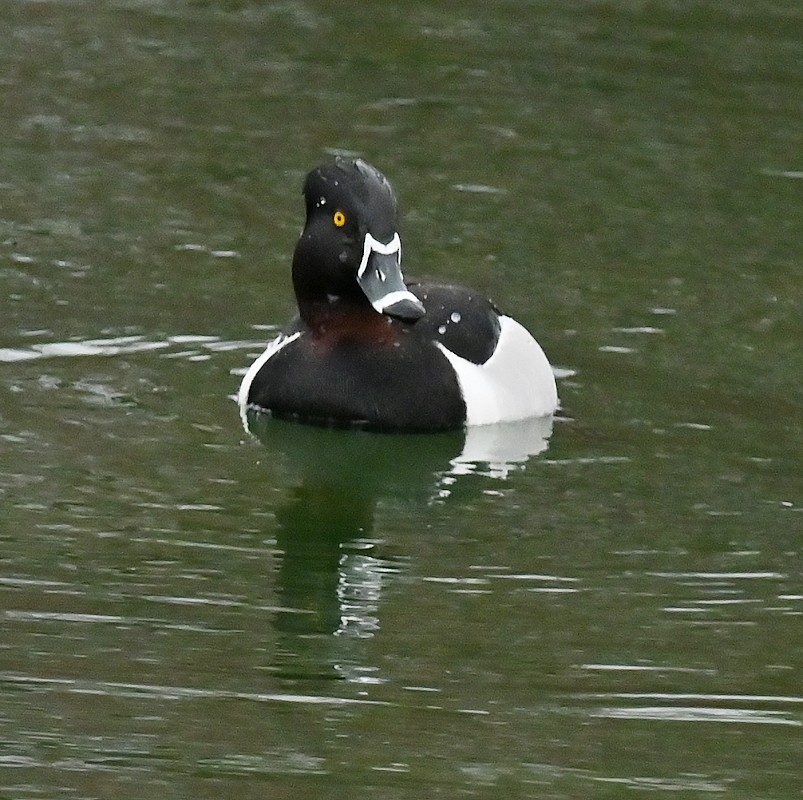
349, 251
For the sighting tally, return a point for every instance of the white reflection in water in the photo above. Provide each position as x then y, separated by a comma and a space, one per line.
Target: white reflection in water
503, 447
359, 587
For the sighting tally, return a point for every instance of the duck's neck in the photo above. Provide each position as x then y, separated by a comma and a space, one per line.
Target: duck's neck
324, 294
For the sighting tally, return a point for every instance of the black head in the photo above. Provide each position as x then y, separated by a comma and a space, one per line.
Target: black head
349, 251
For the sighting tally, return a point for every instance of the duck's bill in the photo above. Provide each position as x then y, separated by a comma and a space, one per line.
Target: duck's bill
380, 277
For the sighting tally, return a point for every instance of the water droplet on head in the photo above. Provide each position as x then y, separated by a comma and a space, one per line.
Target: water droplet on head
455, 316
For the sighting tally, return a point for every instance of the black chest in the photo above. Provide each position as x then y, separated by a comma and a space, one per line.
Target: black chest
400, 384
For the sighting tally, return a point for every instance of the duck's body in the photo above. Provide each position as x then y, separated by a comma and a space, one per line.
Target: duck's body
368, 350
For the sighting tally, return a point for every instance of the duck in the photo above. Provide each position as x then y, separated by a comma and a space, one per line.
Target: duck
367, 349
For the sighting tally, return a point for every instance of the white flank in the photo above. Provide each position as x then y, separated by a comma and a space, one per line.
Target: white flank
515, 383
245, 387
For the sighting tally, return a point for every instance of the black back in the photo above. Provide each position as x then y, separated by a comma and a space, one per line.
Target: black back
461, 320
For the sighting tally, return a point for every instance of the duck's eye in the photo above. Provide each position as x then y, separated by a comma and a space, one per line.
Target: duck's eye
339, 219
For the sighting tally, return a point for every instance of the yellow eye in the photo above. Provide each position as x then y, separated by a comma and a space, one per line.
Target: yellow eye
339, 219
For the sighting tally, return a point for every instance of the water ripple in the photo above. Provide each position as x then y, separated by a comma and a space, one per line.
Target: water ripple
127, 345
697, 714
165, 692
699, 707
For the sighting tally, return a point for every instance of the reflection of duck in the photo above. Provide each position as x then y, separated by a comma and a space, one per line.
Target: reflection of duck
332, 566
369, 351
315, 528
406, 467
329, 583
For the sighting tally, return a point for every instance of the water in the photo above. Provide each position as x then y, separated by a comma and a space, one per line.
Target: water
190, 610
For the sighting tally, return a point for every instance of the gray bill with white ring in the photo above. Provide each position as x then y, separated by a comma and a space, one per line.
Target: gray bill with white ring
380, 278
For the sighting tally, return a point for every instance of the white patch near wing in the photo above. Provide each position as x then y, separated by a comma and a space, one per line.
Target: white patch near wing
515, 383
277, 344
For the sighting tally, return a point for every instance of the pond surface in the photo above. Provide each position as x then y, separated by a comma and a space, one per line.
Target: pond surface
192, 610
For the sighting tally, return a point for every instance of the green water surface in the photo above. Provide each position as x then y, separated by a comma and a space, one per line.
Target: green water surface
189, 610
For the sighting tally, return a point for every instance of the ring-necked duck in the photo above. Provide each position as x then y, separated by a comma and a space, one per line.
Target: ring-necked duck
370, 351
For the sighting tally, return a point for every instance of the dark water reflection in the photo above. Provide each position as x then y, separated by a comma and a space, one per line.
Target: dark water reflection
331, 572
187, 610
